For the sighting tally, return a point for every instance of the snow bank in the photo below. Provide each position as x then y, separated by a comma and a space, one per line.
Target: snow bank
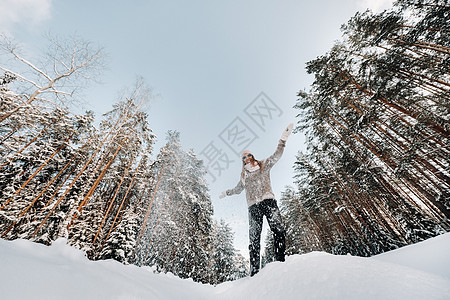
431, 256
34, 271
421, 271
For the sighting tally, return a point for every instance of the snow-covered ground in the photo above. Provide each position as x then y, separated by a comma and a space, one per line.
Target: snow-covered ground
421, 271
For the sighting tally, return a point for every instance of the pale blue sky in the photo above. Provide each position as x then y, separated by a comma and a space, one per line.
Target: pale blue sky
208, 61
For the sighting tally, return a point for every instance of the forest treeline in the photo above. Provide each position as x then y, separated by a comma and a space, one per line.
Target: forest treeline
97, 183
375, 175
376, 172
101, 189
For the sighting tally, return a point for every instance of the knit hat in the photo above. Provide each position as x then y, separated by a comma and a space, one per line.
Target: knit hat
246, 152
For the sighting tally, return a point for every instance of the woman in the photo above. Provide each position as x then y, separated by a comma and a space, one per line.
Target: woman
255, 179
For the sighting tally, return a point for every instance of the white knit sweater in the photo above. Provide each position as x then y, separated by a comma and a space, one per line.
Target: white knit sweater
257, 184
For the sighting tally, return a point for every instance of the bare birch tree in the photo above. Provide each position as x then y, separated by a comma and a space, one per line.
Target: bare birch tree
66, 68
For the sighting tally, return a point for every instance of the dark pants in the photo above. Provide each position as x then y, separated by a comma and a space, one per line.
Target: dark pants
256, 212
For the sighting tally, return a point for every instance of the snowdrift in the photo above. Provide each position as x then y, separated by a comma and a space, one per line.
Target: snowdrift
421, 271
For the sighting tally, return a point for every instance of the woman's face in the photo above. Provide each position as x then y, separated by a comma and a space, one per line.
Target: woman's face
247, 158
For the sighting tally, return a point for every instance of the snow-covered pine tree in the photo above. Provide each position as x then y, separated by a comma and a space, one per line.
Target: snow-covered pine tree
198, 211
118, 167
241, 267
375, 175
83, 232
36, 158
179, 230
40, 148
222, 256
121, 243
158, 236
